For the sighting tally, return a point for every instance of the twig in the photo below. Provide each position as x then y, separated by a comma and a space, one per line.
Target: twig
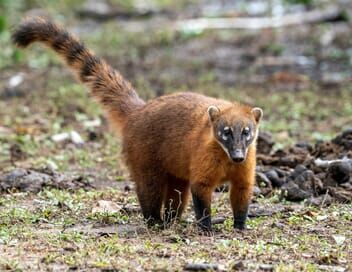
314, 16
326, 163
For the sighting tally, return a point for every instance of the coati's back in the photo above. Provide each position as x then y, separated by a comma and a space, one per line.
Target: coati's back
168, 129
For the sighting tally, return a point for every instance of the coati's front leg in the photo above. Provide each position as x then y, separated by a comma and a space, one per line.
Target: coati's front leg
201, 194
240, 197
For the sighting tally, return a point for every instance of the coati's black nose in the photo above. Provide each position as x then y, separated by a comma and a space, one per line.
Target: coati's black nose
237, 155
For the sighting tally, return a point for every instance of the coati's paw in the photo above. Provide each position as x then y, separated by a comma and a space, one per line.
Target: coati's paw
155, 223
205, 230
239, 225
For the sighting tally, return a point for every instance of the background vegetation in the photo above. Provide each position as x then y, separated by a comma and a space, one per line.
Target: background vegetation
300, 76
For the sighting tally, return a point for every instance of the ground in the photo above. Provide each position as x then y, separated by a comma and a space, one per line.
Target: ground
56, 229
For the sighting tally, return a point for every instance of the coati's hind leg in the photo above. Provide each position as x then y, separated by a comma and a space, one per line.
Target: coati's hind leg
176, 198
151, 189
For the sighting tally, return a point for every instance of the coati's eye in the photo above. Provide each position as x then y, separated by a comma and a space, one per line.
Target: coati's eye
246, 133
225, 134
227, 131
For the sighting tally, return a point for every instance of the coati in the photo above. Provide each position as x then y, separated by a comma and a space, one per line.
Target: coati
175, 145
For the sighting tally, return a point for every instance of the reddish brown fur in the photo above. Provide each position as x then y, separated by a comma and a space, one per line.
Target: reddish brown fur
168, 142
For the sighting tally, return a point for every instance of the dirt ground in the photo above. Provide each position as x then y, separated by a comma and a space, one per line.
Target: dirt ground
60, 164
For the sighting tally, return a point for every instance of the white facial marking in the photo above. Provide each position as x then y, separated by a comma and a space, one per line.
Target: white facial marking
226, 128
224, 138
219, 133
249, 135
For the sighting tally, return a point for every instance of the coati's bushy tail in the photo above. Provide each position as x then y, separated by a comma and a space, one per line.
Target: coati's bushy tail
107, 85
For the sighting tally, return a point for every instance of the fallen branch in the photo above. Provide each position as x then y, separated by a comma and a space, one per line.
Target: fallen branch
314, 16
326, 163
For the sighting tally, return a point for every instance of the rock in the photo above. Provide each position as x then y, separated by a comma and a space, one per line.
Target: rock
104, 206
304, 145
30, 180
274, 178
319, 201
266, 267
256, 191
17, 153
131, 208
238, 266
278, 225
256, 210
265, 142
340, 171
309, 182
60, 137
340, 194
218, 220
263, 183
127, 188
299, 169
92, 123
201, 267
94, 135
15, 86
344, 139
73, 136
76, 138
24, 180
339, 239
302, 184
292, 192
123, 230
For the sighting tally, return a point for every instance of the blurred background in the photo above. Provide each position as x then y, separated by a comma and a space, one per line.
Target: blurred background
293, 58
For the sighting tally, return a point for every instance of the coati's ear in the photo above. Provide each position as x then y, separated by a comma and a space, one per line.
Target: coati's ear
258, 114
213, 112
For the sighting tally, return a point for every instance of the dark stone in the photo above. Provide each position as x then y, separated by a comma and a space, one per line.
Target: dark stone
263, 183
344, 139
238, 266
265, 142
273, 176
35, 180
304, 145
201, 267
340, 171
127, 188
298, 171
322, 200
256, 191
292, 192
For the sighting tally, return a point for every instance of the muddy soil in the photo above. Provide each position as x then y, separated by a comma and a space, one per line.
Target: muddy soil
320, 172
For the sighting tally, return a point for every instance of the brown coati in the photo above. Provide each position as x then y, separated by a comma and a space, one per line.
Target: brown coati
175, 145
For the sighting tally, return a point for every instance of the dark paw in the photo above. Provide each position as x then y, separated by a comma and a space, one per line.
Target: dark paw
205, 229
155, 223
239, 225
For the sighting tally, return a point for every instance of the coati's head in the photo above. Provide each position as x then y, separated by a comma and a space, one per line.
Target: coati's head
235, 129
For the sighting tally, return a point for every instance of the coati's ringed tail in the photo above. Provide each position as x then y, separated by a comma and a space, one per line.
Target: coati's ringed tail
107, 85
